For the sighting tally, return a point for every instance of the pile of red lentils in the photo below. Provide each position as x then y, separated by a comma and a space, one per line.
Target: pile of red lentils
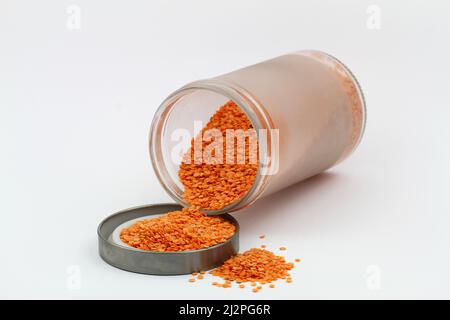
255, 268
212, 186
187, 229
216, 183
207, 186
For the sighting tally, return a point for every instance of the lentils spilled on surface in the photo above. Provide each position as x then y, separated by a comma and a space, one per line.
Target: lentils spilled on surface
187, 229
255, 266
216, 183
213, 185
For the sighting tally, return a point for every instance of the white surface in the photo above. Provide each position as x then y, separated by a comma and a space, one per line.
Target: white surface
115, 235
76, 105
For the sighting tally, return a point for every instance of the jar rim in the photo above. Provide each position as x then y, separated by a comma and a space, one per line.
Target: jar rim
254, 110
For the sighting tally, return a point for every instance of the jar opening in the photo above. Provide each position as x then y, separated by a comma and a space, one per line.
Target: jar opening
182, 116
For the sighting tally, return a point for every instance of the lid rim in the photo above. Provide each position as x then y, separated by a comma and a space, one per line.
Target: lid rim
156, 262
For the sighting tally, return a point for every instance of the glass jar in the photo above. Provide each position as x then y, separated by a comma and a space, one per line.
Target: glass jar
308, 104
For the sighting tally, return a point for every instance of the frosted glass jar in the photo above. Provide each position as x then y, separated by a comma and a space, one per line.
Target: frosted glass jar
309, 104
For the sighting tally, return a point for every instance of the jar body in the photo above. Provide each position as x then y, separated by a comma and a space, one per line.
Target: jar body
308, 103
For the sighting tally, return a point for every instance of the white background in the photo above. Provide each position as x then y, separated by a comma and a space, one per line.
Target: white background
75, 110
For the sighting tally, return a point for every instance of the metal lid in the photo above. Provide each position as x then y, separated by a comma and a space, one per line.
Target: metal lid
119, 255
